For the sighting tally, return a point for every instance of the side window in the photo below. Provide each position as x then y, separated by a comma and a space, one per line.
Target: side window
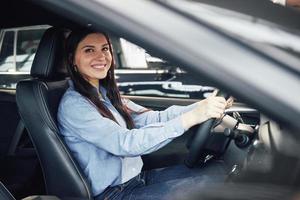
7, 51
17, 50
27, 44
134, 57
138, 73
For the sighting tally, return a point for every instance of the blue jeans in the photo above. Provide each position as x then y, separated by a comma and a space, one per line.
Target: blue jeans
167, 183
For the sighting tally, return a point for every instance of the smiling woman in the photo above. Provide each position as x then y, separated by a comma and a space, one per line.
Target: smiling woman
96, 148
90, 59
112, 137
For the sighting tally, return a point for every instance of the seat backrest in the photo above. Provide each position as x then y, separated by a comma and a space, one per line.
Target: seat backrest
38, 100
5, 194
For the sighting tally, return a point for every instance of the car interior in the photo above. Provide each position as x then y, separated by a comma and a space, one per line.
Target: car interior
38, 99
36, 161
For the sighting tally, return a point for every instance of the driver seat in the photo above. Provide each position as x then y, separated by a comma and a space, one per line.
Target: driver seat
38, 99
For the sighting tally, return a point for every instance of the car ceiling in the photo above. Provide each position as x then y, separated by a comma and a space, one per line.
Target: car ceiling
17, 13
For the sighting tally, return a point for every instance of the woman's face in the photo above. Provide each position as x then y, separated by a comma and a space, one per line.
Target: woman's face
93, 58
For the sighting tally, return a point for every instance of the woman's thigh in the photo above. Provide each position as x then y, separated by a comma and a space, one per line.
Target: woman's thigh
214, 168
177, 181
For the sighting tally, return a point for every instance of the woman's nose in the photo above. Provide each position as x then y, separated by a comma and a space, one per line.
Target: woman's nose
100, 54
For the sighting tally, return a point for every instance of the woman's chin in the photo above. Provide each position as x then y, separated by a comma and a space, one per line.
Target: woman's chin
102, 76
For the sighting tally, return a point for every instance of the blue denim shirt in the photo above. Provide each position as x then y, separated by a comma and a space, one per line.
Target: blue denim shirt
108, 152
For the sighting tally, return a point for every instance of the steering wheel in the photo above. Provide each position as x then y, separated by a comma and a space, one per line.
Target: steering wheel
199, 140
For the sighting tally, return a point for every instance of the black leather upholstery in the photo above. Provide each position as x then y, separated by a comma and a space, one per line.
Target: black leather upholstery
38, 100
5, 194
48, 61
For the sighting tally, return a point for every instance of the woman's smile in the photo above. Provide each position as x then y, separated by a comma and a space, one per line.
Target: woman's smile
98, 66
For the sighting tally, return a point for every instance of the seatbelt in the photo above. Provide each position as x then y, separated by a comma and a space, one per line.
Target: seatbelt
16, 138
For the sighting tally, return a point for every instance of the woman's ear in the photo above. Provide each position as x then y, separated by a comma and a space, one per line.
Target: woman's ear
71, 62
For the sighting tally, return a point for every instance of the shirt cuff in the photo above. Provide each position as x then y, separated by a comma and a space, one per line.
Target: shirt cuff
281, 2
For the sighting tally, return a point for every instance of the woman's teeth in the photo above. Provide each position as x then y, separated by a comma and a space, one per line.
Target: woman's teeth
98, 66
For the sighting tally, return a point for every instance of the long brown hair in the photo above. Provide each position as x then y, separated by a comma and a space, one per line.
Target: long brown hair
109, 83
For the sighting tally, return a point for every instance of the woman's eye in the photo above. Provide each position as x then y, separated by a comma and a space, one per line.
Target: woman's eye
89, 50
105, 49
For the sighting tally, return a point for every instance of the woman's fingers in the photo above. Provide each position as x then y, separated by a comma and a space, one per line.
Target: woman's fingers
215, 92
212, 107
215, 107
219, 102
215, 112
229, 102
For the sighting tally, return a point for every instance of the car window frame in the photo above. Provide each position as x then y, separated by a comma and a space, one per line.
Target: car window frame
16, 30
16, 75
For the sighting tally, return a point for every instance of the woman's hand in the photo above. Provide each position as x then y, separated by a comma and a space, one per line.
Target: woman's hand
229, 102
212, 107
293, 3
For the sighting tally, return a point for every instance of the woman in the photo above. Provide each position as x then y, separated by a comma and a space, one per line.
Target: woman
108, 135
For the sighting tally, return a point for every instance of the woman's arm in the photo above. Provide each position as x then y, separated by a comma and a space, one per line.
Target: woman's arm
142, 116
78, 117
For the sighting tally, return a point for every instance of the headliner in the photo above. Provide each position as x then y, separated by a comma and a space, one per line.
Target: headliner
17, 13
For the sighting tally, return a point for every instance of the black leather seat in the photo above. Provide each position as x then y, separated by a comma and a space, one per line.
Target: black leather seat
38, 100
5, 194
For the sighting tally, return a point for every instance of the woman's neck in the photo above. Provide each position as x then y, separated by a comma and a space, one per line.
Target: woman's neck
95, 83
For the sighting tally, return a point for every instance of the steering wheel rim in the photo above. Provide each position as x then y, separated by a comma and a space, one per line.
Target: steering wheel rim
199, 140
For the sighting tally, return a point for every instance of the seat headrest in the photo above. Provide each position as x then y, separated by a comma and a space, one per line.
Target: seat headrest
48, 62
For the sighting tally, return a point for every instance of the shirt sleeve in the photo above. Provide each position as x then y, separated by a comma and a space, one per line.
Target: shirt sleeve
145, 117
83, 120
